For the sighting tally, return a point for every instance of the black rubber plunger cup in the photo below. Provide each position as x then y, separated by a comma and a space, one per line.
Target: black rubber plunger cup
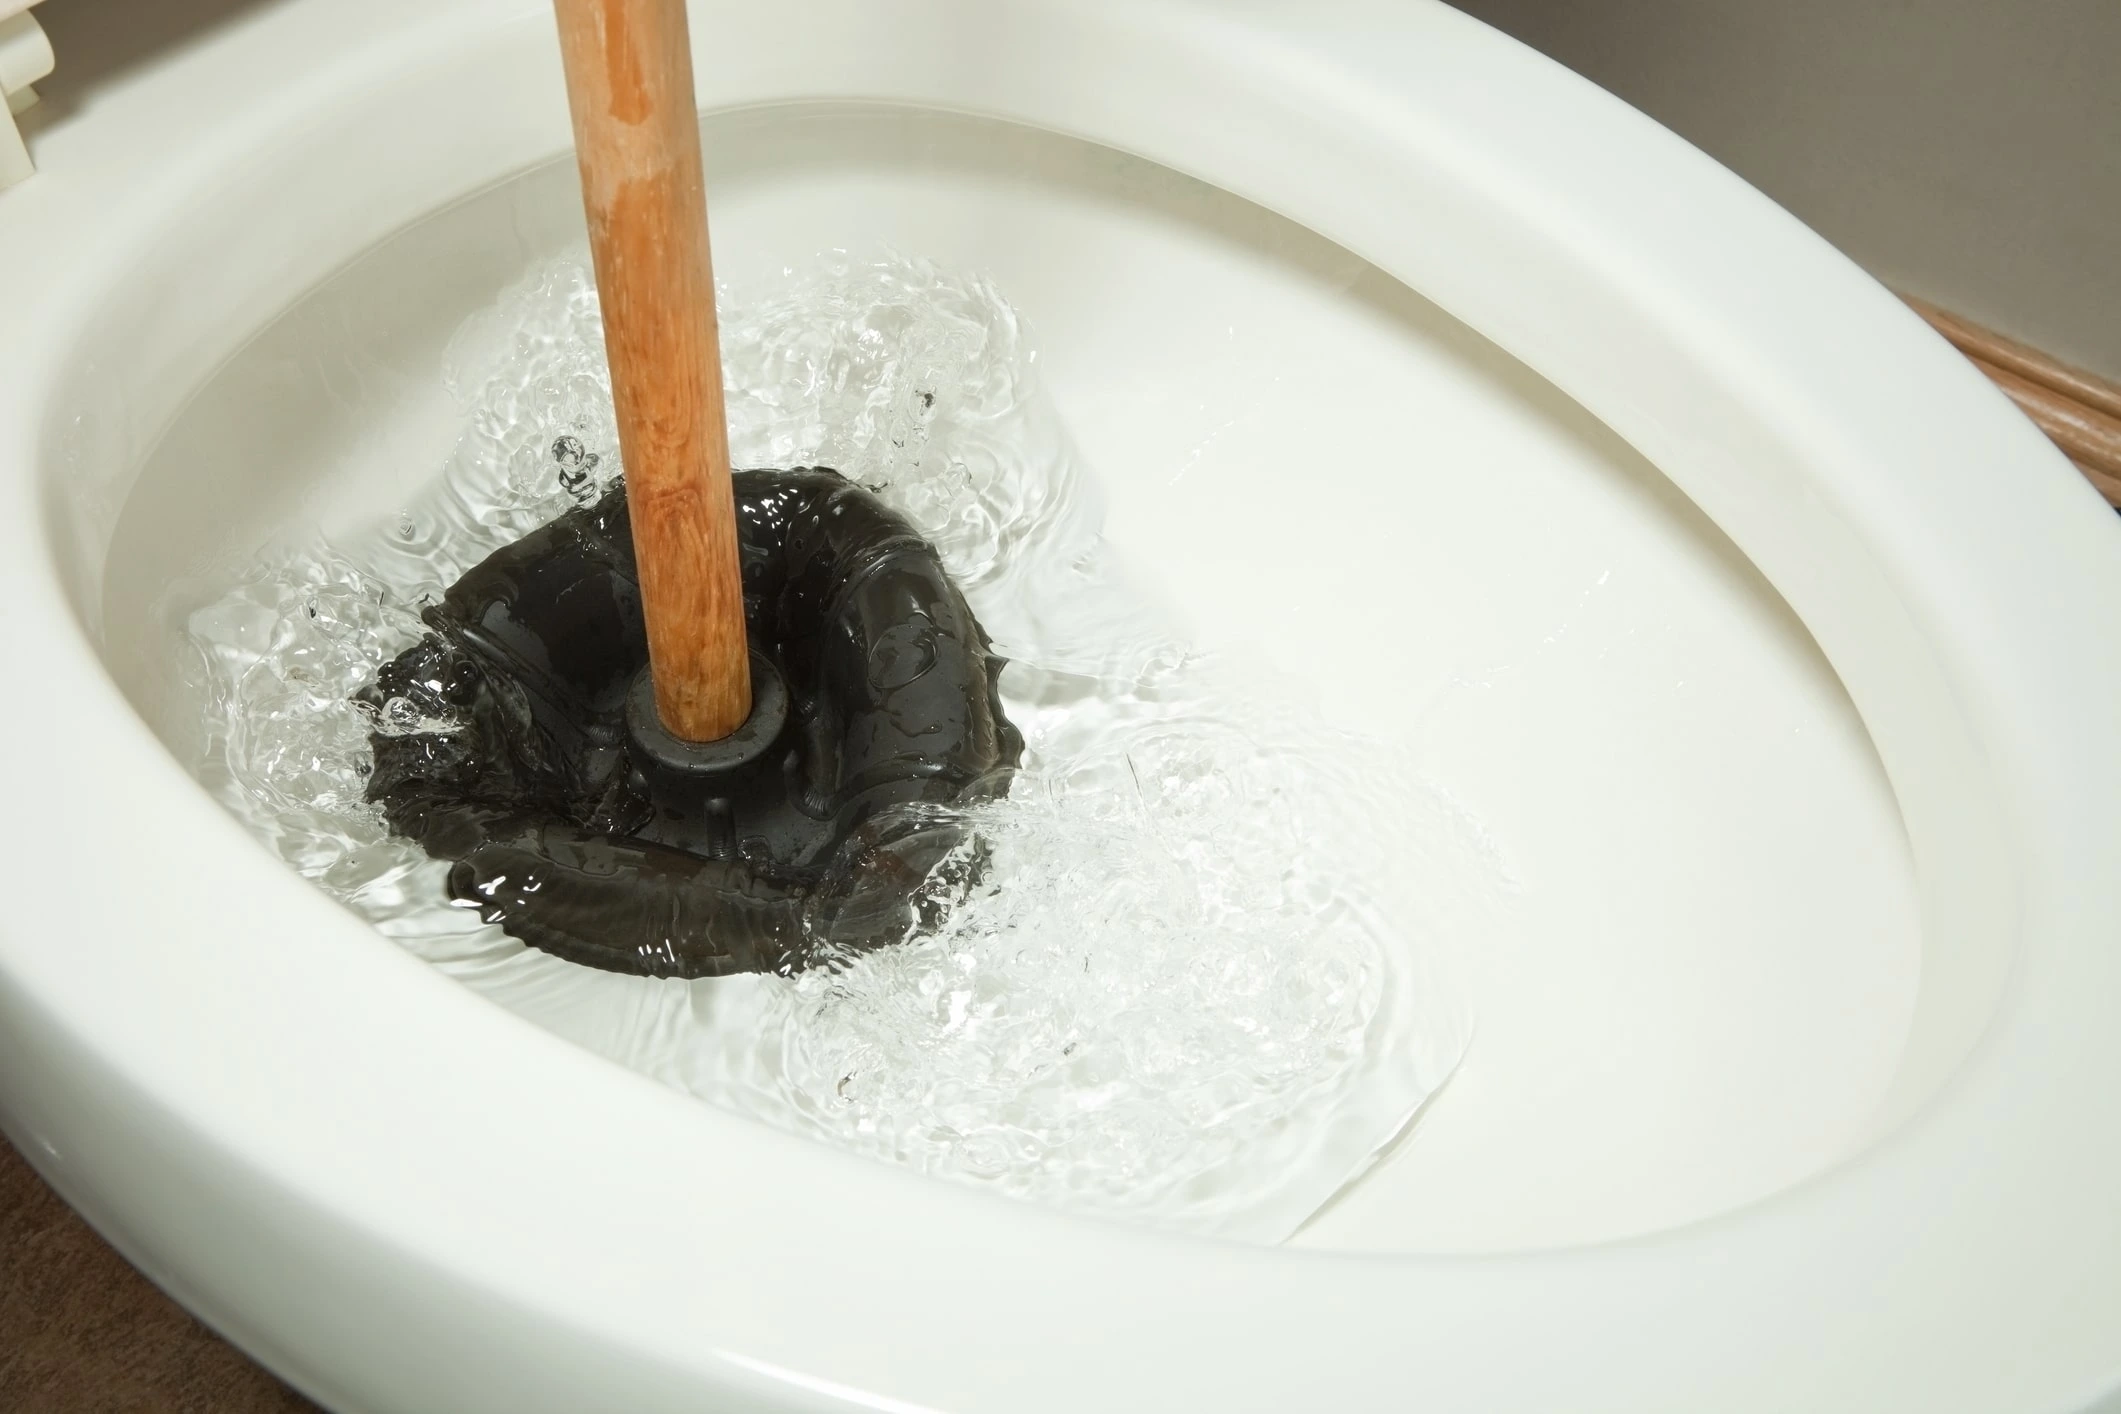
573, 819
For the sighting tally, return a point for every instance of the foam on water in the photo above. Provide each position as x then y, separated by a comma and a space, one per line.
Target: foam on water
1198, 978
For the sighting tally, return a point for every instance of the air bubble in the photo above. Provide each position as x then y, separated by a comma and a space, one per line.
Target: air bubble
577, 469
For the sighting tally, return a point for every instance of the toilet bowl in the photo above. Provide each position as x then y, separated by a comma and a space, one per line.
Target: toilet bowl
1767, 648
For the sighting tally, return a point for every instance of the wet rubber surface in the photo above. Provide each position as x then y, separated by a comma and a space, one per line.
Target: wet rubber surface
564, 831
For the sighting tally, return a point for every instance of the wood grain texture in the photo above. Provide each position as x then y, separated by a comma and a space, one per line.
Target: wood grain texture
2089, 437
2022, 360
2105, 484
2079, 411
637, 139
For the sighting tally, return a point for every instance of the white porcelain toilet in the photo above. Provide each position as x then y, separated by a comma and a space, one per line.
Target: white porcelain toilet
1771, 650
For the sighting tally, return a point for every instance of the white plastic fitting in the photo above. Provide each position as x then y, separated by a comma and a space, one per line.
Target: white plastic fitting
25, 57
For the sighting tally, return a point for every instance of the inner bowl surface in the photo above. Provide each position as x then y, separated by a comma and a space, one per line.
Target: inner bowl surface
1697, 961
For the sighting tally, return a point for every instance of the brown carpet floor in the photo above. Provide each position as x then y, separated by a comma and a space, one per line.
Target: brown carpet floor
81, 1332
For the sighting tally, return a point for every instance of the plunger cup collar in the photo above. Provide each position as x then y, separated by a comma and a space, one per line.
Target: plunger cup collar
769, 713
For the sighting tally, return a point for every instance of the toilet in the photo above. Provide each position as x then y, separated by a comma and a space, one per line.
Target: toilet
1767, 652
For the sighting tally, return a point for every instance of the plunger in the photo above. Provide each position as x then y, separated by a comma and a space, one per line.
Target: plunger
681, 712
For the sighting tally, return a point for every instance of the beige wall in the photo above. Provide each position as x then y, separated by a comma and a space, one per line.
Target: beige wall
1965, 150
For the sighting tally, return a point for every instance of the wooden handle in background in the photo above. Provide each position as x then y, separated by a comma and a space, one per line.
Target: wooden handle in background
2090, 438
2079, 411
2105, 483
637, 137
1996, 350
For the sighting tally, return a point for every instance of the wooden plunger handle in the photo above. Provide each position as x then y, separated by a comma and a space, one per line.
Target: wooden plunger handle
637, 136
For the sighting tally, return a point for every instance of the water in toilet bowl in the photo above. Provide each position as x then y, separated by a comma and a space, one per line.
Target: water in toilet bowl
1200, 979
